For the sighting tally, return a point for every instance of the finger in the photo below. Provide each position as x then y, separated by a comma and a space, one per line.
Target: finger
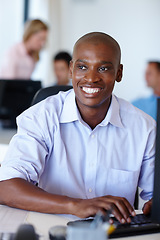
104, 205
117, 213
129, 207
124, 210
147, 207
122, 204
117, 205
125, 201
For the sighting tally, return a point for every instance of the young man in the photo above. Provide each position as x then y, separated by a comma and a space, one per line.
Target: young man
61, 63
152, 77
86, 149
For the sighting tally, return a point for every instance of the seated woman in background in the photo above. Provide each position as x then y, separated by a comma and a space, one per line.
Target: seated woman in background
20, 60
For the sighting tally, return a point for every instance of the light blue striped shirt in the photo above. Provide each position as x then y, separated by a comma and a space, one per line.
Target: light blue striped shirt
55, 148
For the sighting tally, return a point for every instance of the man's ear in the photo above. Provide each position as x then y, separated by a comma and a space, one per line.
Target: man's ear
119, 73
70, 69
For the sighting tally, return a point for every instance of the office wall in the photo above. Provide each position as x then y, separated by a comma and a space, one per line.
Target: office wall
50, 12
134, 24
40, 9
11, 24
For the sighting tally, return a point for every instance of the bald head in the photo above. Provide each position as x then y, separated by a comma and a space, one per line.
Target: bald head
97, 38
94, 69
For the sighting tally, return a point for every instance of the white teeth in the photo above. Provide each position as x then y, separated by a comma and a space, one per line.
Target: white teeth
90, 90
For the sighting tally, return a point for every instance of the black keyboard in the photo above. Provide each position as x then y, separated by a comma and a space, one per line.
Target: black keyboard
140, 224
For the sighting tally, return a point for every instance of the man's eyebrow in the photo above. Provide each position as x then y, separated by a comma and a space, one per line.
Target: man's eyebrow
106, 62
102, 62
80, 60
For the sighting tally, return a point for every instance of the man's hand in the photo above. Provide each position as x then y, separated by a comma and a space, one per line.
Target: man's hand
119, 207
147, 207
24, 195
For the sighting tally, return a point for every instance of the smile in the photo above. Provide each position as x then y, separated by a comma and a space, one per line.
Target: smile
91, 90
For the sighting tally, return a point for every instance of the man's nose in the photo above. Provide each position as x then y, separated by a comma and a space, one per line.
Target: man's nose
91, 76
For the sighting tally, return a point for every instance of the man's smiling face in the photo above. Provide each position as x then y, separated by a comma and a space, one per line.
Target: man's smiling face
94, 68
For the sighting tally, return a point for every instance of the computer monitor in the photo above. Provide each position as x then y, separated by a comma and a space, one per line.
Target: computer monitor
156, 192
15, 96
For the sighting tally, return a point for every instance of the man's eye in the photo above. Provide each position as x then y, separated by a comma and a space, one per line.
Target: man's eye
82, 67
103, 69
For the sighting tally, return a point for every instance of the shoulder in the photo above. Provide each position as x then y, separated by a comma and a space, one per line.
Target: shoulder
43, 119
49, 109
15, 49
131, 115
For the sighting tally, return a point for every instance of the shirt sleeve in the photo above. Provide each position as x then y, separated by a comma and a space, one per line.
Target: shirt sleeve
146, 178
27, 151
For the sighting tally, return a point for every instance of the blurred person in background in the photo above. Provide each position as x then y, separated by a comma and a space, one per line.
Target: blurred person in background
20, 60
61, 63
152, 77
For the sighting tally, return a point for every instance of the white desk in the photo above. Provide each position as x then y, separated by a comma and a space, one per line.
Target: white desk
11, 218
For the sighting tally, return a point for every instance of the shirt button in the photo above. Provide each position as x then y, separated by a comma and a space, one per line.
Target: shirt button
90, 190
93, 135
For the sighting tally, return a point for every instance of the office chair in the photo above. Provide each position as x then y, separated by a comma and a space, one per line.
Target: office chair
49, 91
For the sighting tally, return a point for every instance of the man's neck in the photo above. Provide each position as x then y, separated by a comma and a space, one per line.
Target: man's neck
94, 116
93, 120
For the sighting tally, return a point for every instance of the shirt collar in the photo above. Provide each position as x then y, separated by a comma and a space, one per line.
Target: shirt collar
113, 115
70, 112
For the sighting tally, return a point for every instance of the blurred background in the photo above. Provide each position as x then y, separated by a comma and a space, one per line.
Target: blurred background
134, 24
